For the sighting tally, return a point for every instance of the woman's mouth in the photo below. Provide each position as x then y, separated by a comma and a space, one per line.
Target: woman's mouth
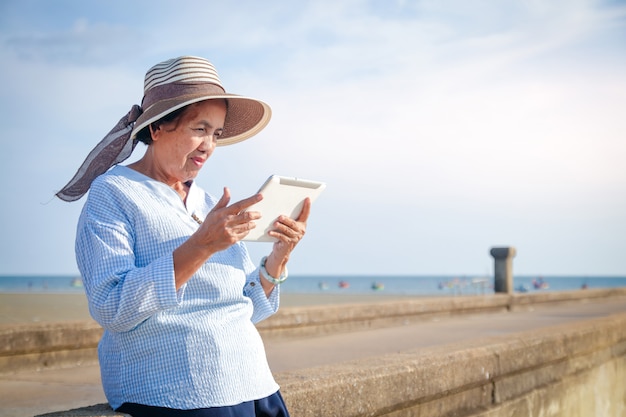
198, 161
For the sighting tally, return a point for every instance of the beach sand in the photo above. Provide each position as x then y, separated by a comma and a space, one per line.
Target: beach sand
50, 308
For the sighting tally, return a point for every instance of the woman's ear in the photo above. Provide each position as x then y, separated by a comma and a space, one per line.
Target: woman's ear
154, 129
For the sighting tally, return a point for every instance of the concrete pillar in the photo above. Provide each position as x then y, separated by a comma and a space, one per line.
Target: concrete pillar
503, 269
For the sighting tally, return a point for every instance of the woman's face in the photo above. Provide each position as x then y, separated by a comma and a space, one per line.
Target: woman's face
182, 146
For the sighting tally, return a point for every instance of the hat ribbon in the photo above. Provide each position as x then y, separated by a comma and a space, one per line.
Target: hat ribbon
113, 149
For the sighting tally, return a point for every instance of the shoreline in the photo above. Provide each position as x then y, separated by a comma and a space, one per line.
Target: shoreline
41, 307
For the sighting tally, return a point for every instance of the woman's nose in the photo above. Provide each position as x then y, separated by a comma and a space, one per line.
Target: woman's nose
209, 143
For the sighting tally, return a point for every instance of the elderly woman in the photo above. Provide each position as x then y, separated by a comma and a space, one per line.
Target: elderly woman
165, 271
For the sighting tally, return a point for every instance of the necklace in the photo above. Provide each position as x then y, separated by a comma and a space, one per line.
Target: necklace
196, 218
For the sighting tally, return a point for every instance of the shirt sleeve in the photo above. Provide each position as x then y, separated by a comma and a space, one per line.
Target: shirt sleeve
120, 294
264, 306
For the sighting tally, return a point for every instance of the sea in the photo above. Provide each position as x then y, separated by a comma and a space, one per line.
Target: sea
418, 285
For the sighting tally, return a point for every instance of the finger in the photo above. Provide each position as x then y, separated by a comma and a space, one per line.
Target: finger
241, 205
296, 225
306, 210
287, 225
289, 228
249, 215
240, 230
223, 201
244, 228
244, 219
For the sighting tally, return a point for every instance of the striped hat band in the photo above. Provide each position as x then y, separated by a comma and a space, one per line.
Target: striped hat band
185, 69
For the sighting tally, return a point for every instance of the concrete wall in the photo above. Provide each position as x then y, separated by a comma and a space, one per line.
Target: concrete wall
38, 346
575, 370
316, 320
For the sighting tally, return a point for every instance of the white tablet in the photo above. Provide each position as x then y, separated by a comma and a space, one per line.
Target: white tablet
281, 196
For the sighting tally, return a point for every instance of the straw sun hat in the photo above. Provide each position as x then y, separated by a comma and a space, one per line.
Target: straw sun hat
169, 86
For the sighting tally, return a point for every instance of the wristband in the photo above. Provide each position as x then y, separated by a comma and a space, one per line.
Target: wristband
270, 278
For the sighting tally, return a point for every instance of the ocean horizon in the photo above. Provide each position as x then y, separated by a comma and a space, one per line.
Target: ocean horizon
424, 285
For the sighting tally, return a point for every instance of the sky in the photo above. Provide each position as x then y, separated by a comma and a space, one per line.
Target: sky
442, 128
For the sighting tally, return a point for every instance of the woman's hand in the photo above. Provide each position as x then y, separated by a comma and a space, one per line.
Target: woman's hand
226, 225
289, 233
222, 227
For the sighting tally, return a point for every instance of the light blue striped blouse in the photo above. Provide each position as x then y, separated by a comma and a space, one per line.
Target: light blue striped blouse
192, 348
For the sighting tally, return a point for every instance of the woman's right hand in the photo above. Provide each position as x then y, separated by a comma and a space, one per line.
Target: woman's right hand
226, 225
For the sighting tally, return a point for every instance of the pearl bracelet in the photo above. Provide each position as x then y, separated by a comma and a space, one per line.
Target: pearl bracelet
270, 278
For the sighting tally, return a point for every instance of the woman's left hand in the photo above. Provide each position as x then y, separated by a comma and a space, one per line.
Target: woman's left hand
289, 233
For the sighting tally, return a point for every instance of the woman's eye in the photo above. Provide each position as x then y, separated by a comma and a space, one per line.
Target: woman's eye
205, 131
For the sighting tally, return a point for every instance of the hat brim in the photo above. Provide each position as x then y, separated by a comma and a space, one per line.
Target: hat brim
245, 116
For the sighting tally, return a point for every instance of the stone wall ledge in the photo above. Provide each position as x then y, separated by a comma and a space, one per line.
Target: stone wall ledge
573, 370
40, 346
322, 319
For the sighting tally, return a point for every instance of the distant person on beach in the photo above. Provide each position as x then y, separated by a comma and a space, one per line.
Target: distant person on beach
164, 268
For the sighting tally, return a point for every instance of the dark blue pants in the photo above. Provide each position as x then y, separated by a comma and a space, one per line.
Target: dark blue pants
272, 406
